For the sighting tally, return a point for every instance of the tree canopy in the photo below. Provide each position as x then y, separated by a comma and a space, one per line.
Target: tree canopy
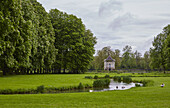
34, 41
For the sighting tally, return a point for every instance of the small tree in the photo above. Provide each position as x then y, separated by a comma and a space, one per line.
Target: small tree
80, 86
40, 89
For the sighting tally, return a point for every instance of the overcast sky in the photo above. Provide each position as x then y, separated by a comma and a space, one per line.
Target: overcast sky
118, 23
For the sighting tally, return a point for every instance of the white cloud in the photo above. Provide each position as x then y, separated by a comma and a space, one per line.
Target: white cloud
124, 20
110, 7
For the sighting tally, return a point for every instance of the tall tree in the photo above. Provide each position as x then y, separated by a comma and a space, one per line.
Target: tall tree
166, 49
45, 54
157, 54
75, 44
15, 37
126, 57
88, 50
117, 59
138, 58
147, 60
61, 24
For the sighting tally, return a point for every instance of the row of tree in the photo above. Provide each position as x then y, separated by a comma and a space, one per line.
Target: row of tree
128, 60
157, 58
34, 41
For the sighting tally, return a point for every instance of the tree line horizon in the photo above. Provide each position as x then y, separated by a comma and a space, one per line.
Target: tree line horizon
157, 58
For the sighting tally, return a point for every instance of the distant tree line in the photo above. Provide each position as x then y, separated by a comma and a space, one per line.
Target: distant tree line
157, 58
34, 41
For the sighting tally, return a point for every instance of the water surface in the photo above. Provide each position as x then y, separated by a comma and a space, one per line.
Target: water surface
115, 86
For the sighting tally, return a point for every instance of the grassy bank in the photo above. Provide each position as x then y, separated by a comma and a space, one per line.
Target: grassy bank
32, 81
140, 97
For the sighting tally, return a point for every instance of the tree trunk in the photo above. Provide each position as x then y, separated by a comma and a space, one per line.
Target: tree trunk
43, 71
17, 72
34, 71
38, 71
64, 71
28, 70
31, 71
164, 69
59, 70
52, 70
4, 72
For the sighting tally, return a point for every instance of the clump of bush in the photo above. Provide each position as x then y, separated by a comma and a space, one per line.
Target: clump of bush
101, 83
95, 77
127, 79
40, 89
147, 83
144, 83
141, 73
6, 91
18, 91
137, 85
43, 89
80, 86
88, 77
87, 86
106, 76
117, 78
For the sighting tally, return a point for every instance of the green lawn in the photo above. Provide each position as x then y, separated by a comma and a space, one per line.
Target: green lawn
32, 81
141, 97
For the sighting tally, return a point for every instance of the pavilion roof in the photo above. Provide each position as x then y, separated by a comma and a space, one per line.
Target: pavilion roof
109, 59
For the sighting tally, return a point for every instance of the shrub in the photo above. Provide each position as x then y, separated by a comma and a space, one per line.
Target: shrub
6, 91
137, 85
95, 77
117, 78
88, 86
21, 91
127, 79
115, 71
40, 89
17, 91
101, 83
80, 86
147, 83
88, 77
107, 82
107, 76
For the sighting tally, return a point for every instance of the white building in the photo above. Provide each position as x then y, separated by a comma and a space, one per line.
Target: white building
109, 64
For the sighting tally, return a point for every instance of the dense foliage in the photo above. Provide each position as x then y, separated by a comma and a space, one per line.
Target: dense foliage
101, 83
160, 53
34, 41
75, 45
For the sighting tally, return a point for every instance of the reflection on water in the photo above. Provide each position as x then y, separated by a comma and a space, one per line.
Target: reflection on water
113, 86
116, 86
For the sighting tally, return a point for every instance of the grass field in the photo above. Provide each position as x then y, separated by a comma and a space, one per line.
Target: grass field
32, 81
141, 97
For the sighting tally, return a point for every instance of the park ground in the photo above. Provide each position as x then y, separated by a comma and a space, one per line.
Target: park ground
152, 96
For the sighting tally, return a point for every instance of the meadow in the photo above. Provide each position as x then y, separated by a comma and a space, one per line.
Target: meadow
139, 97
